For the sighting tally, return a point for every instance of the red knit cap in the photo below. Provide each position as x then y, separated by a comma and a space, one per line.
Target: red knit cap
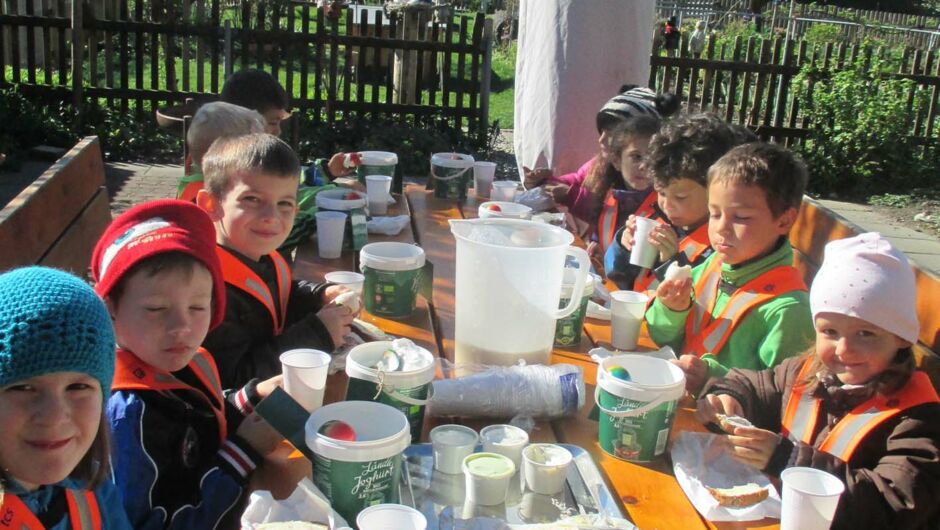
152, 228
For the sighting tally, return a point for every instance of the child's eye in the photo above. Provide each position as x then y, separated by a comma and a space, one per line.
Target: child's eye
829, 332
252, 199
865, 334
286, 204
19, 388
197, 308
154, 309
76, 387
741, 218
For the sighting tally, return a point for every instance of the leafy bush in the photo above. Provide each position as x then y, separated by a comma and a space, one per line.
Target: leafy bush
124, 137
27, 124
823, 33
860, 126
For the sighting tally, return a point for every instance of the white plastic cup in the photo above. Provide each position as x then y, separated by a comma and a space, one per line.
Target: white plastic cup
810, 498
331, 227
305, 374
450, 445
488, 488
504, 190
644, 253
483, 175
506, 440
377, 189
626, 316
545, 477
350, 279
391, 517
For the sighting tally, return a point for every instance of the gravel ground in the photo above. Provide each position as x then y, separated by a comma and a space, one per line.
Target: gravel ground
505, 157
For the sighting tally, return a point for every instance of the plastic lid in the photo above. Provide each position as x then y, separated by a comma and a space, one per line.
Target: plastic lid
378, 158
334, 200
452, 160
391, 256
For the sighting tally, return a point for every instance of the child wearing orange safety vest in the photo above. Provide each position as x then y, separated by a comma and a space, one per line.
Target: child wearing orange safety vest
750, 307
678, 160
854, 405
184, 451
56, 364
251, 195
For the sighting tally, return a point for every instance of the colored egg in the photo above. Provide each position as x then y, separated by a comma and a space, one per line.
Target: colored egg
390, 362
619, 372
338, 430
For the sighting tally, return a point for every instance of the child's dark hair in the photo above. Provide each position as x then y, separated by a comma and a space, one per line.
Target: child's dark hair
261, 153
254, 89
686, 146
604, 176
771, 167
164, 262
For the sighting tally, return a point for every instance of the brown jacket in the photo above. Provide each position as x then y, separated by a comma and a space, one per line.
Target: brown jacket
893, 477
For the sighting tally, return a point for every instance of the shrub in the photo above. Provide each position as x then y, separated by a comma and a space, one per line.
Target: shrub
823, 33
27, 124
860, 126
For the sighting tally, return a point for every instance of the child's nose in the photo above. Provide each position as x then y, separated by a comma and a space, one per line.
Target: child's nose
180, 322
50, 408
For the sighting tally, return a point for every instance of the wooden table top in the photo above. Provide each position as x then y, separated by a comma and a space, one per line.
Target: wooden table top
648, 493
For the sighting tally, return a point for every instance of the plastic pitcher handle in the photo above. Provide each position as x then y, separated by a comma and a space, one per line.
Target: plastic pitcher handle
628, 413
584, 265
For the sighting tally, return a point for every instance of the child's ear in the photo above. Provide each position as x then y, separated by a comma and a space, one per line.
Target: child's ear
786, 220
112, 307
208, 202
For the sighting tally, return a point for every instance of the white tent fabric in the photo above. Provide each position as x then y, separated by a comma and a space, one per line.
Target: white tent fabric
573, 55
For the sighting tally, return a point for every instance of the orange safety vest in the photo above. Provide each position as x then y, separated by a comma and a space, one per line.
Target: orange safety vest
802, 413
190, 190
240, 276
84, 513
694, 246
705, 333
607, 222
130, 373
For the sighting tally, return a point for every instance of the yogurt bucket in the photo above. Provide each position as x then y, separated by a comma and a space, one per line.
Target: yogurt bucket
451, 174
356, 474
636, 415
406, 390
391, 517
353, 204
392, 272
376, 163
568, 329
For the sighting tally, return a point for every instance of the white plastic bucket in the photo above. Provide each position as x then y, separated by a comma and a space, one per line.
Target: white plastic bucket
407, 391
636, 415
376, 163
364, 472
392, 272
451, 173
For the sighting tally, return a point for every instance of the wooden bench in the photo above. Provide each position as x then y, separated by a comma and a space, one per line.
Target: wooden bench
59, 217
817, 225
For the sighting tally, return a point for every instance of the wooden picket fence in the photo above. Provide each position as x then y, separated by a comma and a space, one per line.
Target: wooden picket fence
141, 55
750, 82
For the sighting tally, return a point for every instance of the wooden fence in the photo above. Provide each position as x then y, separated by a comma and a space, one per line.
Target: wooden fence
140, 55
750, 82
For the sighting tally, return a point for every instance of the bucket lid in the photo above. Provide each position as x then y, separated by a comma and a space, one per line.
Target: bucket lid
335, 200
650, 377
516, 234
361, 361
378, 158
452, 160
391, 256
382, 431
568, 283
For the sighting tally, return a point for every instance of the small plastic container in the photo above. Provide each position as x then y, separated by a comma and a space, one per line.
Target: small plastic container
487, 476
506, 440
545, 467
451, 444
391, 517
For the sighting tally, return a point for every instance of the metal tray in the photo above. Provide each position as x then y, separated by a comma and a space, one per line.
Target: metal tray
442, 499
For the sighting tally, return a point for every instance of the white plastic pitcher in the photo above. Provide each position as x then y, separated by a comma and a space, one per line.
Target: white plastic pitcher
508, 283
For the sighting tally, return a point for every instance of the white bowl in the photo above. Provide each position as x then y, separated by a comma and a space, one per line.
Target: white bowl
508, 210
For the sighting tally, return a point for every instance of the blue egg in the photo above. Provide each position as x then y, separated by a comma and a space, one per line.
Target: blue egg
619, 372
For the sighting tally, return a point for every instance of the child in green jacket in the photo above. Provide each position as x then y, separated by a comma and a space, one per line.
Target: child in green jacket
746, 306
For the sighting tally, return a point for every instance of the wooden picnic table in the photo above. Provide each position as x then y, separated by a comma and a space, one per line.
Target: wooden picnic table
648, 493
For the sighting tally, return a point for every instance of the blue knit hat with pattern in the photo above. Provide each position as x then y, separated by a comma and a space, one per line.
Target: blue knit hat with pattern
51, 321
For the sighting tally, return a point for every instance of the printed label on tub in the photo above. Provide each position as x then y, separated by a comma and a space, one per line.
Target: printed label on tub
639, 438
352, 486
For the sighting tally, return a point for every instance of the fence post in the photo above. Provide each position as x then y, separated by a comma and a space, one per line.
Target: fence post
227, 51
77, 59
486, 78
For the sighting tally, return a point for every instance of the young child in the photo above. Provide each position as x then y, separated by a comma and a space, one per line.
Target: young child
212, 121
750, 308
183, 452
56, 364
260, 91
854, 405
251, 195
583, 191
678, 161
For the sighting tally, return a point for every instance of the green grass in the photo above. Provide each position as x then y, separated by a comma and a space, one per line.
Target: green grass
502, 86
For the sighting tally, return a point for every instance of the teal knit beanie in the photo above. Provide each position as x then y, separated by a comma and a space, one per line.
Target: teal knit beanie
51, 321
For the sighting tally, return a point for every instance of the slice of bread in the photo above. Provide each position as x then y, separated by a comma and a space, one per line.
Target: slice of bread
728, 423
739, 496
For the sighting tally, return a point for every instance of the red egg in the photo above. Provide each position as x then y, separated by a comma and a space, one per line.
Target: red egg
338, 430
353, 196
494, 207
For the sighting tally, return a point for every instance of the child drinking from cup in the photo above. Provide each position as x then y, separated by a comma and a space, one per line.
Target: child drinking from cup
56, 364
854, 405
183, 452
